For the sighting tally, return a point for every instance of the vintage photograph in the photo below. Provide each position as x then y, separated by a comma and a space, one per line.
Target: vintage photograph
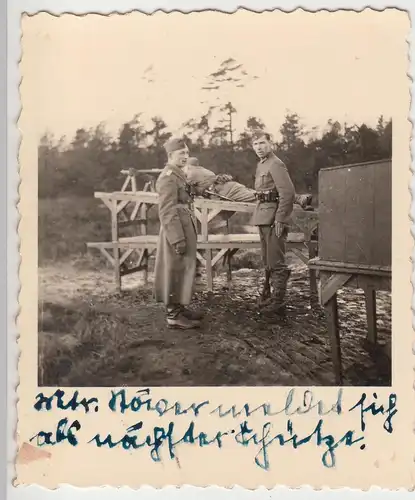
214, 198
211, 207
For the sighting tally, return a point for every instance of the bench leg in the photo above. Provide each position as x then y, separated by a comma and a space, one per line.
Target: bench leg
371, 316
209, 270
117, 269
145, 265
333, 329
312, 252
114, 234
228, 262
229, 254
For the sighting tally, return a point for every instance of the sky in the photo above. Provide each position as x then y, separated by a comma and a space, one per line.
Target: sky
79, 71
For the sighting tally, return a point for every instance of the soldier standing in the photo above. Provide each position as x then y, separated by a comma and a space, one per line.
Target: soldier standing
176, 250
275, 194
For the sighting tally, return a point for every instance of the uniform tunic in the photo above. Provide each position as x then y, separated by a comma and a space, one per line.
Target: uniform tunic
174, 273
272, 174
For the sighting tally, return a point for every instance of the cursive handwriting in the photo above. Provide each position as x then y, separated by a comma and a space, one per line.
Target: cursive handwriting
57, 401
244, 436
308, 404
266, 438
142, 401
374, 408
119, 402
63, 433
246, 433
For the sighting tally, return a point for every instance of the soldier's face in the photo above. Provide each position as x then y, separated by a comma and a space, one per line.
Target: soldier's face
179, 157
262, 146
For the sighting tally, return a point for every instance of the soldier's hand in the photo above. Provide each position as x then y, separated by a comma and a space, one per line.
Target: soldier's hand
180, 247
206, 194
192, 188
279, 229
222, 178
304, 200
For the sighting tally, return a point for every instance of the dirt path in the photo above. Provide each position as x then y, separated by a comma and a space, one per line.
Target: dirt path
90, 335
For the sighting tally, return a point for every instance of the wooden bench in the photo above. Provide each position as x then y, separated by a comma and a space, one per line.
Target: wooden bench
212, 248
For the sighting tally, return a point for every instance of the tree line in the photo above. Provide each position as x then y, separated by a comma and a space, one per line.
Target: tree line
92, 160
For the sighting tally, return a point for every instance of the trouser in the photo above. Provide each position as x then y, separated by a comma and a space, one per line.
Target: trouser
273, 255
235, 191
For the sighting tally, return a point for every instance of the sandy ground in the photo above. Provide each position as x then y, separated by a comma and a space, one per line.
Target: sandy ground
89, 335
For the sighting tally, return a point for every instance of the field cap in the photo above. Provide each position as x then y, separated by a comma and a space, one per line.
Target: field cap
258, 133
174, 145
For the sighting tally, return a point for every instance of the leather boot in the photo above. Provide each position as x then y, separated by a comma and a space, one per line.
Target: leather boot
192, 315
276, 306
176, 319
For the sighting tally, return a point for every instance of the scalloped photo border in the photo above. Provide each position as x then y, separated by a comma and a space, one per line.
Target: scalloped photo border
12, 349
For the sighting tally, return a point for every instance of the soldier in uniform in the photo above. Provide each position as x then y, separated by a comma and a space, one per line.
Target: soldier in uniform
176, 250
275, 194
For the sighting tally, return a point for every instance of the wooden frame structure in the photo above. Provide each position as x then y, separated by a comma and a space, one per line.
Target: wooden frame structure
355, 231
131, 179
212, 215
335, 275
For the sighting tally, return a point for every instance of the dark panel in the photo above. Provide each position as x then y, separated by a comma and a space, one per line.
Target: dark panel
355, 205
332, 207
382, 239
358, 222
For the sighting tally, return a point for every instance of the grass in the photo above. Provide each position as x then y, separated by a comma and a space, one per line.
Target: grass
66, 224
89, 343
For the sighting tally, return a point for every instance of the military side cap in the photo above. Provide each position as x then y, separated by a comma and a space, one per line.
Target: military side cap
258, 134
193, 161
174, 145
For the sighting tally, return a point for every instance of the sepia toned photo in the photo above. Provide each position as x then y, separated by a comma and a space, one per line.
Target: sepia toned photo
215, 243
189, 204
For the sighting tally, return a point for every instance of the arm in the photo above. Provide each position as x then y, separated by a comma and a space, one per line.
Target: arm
222, 178
285, 189
168, 212
196, 189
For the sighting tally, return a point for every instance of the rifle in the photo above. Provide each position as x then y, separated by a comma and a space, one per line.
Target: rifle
208, 194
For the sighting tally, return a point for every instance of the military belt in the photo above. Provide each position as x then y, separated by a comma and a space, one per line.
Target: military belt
190, 190
267, 196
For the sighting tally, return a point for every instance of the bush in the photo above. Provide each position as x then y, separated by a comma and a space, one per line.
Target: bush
247, 259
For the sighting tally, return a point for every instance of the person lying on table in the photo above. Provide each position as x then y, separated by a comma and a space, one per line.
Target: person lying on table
203, 179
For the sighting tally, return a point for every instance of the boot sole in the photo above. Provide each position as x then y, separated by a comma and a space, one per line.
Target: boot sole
182, 327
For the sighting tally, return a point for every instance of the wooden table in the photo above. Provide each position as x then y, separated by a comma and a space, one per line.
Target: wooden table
333, 276
212, 248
